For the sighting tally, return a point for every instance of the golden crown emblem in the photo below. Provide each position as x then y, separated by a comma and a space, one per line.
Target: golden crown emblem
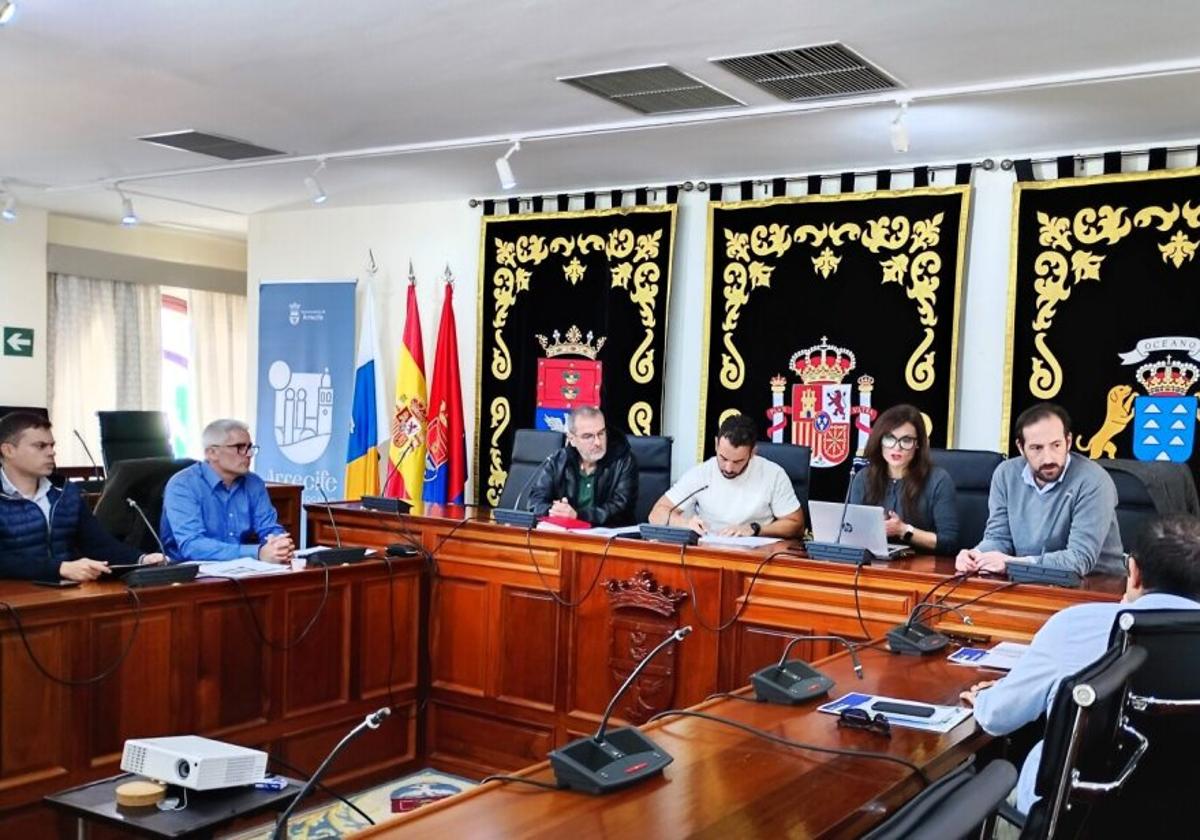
822, 362
575, 344
1168, 378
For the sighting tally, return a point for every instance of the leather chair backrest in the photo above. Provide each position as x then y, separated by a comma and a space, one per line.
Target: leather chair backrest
530, 448
133, 434
971, 471
653, 456
144, 480
1135, 505
796, 462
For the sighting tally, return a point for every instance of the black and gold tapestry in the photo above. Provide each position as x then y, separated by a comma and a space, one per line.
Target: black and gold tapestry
824, 310
1104, 310
572, 312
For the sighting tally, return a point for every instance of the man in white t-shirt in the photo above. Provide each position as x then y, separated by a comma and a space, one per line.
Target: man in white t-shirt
735, 493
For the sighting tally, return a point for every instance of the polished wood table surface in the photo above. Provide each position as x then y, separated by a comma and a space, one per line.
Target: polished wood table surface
727, 783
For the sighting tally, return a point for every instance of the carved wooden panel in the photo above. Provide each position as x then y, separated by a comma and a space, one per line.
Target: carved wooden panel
379, 616
229, 654
528, 656
317, 670
460, 633
641, 614
35, 738
473, 742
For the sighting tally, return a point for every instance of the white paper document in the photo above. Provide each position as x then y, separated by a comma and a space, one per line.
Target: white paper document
613, 532
737, 542
1002, 657
943, 719
240, 568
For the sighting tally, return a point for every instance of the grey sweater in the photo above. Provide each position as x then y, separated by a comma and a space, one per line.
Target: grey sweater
937, 510
1073, 525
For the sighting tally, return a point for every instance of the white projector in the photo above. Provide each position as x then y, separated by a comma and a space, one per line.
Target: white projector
194, 762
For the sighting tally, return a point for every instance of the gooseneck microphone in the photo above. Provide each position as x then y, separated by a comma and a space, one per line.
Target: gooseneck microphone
789, 683
371, 721
609, 761
97, 476
668, 533
834, 551
162, 575
516, 515
146, 520
387, 504
340, 555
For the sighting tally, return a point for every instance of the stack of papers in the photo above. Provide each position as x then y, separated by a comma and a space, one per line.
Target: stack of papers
1000, 658
943, 719
240, 568
737, 542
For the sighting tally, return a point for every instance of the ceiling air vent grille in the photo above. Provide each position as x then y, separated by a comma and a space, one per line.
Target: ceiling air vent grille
213, 145
660, 89
824, 71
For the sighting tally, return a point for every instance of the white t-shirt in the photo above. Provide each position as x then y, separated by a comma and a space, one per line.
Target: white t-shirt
762, 493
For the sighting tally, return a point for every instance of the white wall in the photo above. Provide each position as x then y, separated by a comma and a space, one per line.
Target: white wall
332, 243
23, 304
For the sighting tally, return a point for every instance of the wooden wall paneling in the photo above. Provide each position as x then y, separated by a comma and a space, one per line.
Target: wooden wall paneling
286, 499
376, 755
526, 664
234, 668
460, 612
475, 744
388, 607
317, 669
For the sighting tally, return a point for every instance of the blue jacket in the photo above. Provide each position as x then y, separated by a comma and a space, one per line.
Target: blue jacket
31, 549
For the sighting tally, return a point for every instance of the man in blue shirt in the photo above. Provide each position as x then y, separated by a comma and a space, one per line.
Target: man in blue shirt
218, 509
1164, 575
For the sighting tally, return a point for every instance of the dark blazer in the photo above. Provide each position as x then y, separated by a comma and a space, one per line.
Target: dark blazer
616, 484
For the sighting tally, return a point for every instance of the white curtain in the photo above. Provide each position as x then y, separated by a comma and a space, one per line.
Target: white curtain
218, 357
105, 353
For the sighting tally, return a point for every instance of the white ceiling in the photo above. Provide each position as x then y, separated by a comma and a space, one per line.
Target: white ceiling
82, 80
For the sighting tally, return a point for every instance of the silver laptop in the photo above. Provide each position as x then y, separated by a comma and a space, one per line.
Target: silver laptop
863, 528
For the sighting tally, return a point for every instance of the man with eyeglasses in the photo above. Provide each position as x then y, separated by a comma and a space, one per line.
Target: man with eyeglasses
593, 478
1048, 506
218, 509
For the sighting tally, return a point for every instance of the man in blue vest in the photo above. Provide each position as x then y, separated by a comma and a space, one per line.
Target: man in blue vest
47, 532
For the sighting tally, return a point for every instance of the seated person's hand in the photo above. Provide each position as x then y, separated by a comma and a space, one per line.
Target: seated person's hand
743, 530
993, 561
967, 560
563, 508
277, 549
83, 569
155, 559
971, 693
697, 525
894, 526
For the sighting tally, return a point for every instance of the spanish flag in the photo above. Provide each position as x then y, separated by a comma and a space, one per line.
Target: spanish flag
362, 452
406, 474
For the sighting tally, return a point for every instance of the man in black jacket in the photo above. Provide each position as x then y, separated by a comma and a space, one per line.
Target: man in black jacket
593, 477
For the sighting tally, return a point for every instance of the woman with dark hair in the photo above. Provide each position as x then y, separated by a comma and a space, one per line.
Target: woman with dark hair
918, 497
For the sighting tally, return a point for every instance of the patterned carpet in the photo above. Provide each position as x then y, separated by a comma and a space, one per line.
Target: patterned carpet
334, 820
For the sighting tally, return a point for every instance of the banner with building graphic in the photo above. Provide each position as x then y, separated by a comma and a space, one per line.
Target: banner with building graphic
305, 384
1104, 310
572, 312
824, 310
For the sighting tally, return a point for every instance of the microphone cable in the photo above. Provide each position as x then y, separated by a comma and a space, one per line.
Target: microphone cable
271, 757
722, 627
546, 585
499, 777
96, 678
858, 604
258, 631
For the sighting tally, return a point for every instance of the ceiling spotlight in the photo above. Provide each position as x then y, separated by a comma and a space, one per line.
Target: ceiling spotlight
504, 168
315, 191
899, 130
128, 217
8, 8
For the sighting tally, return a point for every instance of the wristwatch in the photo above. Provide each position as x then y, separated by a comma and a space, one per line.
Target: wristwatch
907, 536
756, 528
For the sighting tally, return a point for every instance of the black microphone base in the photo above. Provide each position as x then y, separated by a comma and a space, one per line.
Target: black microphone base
672, 534
916, 639
1045, 575
625, 758
160, 575
337, 556
838, 553
795, 682
518, 518
385, 503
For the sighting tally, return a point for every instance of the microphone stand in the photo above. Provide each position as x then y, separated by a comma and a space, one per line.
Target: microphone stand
834, 551
516, 515
789, 683
668, 533
341, 554
157, 575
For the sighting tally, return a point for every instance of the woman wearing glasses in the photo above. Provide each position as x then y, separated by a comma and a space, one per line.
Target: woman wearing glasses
919, 498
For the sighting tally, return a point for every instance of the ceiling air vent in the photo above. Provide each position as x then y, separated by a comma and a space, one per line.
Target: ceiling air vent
213, 145
660, 89
821, 72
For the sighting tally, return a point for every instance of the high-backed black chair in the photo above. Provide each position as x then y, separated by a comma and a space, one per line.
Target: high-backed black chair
796, 462
653, 456
971, 471
39, 410
1136, 502
1089, 751
954, 806
133, 434
530, 448
143, 480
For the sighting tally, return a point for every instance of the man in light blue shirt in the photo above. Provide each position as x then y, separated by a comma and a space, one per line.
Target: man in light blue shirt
1164, 575
218, 509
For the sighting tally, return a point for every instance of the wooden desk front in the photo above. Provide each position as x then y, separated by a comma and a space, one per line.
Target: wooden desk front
727, 783
515, 673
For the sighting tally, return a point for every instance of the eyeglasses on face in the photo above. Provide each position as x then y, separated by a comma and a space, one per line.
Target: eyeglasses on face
240, 448
856, 718
891, 441
591, 437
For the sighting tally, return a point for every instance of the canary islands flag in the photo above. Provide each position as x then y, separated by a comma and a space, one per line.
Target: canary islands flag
446, 459
362, 452
406, 452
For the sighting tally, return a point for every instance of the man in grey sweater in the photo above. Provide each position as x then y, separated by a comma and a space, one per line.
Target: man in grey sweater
1048, 506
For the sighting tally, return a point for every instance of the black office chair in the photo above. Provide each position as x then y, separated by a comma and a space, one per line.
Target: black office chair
796, 462
530, 448
38, 410
143, 480
653, 456
1089, 751
1136, 502
971, 471
956, 805
133, 434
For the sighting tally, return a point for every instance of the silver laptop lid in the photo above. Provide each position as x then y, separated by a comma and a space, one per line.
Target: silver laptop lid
863, 527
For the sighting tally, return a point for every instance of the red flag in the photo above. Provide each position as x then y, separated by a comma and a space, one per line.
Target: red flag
446, 455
